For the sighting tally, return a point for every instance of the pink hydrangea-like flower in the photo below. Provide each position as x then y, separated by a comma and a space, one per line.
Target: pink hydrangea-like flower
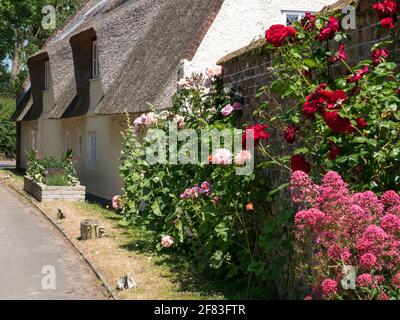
206, 188
395, 210
368, 261
117, 203
303, 190
396, 280
390, 198
328, 287
167, 241
311, 218
390, 223
242, 157
222, 156
365, 280
227, 110
369, 202
383, 296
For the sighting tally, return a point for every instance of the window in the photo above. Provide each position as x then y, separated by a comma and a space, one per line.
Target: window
293, 16
33, 140
80, 145
67, 144
95, 60
46, 75
92, 141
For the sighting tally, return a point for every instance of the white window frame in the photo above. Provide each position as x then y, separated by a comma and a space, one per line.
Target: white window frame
46, 75
92, 150
95, 61
299, 13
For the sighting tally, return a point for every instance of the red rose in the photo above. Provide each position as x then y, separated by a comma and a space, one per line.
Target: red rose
355, 91
379, 54
277, 33
337, 123
259, 131
298, 163
387, 13
334, 152
328, 32
333, 99
308, 22
361, 123
358, 75
388, 23
321, 98
290, 133
340, 55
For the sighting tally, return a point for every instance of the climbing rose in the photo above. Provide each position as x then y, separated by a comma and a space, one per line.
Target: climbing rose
358, 75
365, 280
328, 287
290, 133
361, 123
242, 157
227, 110
379, 54
308, 22
340, 55
213, 72
337, 123
167, 241
206, 188
277, 33
299, 163
259, 133
328, 32
117, 202
222, 156
387, 13
334, 151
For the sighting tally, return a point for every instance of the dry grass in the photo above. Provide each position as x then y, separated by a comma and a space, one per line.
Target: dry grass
123, 250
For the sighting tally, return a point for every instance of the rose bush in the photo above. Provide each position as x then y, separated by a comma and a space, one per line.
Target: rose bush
205, 211
339, 117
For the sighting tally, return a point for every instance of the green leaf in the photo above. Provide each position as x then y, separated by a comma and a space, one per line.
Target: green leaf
281, 187
156, 208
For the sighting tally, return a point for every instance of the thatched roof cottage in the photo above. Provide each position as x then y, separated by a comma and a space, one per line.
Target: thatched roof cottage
116, 56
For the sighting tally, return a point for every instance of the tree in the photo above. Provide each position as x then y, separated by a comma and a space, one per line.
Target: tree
21, 31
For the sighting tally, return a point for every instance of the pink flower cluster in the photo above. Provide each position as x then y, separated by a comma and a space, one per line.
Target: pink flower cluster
357, 229
196, 191
117, 203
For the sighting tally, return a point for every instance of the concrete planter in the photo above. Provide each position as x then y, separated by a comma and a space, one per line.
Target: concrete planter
42, 192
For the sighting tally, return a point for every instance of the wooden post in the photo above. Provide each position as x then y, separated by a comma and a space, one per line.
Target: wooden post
89, 229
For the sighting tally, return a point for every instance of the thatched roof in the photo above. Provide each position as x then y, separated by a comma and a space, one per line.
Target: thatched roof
141, 43
260, 43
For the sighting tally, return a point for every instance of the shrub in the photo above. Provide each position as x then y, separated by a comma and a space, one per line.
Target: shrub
205, 211
348, 243
7, 128
52, 171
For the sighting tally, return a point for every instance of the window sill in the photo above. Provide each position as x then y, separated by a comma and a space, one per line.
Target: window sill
94, 79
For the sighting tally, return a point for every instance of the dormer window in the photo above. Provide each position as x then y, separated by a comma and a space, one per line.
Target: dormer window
46, 75
95, 61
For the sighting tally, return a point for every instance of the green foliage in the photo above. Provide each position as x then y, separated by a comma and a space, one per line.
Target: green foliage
7, 128
53, 171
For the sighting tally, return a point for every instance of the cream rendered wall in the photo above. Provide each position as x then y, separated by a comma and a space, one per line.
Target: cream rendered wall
104, 180
239, 22
28, 128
